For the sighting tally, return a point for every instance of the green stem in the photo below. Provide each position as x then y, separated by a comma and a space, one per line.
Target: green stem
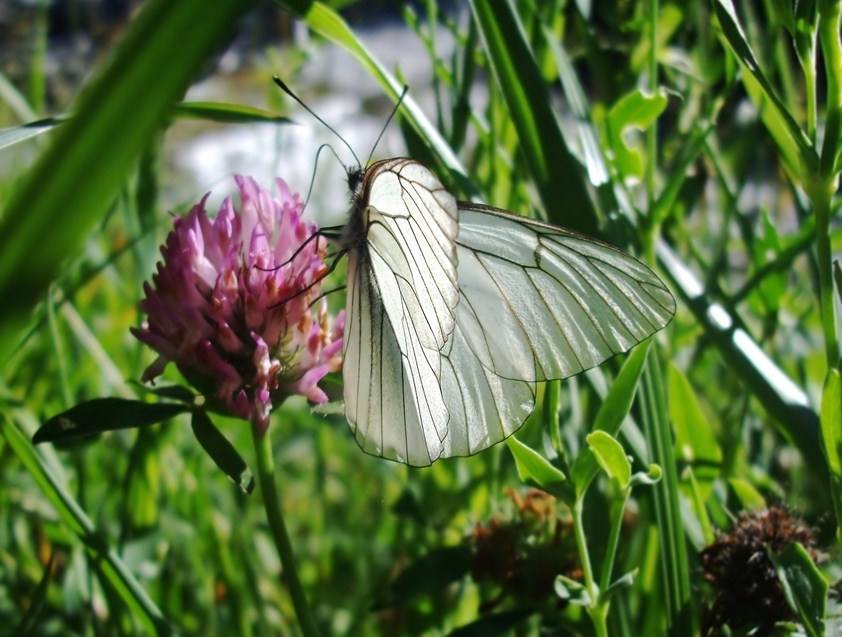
830, 18
617, 509
821, 192
595, 611
808, 69
272, 503
652, 72
648, 223
824, 256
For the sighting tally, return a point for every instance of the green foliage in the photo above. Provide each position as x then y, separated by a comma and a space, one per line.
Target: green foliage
703, 137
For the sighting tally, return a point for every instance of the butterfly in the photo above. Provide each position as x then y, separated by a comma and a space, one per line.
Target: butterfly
455, 311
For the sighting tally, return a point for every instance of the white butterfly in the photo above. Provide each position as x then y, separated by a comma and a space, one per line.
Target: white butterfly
455, 310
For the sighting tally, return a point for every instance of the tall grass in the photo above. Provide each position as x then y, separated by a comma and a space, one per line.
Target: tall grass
703, 137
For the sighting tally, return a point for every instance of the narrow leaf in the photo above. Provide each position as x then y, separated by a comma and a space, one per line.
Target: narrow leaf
29, 622
784, 128
17, 134
221, 451
114, 571
104, 414
611, 413
226, 113
695, 441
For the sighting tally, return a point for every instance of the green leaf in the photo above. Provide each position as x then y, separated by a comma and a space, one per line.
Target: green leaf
611, 457
571, 591
226, 113
176, 392
115, 116
535, 469
104, 414
804, 586
805, 27
17, 134
749, 497
831, 426
557, 175
429, 574
831, 421
221, 451
695, 441
666, 496
611, 414
652, 475
766, 249
633, 111
620, 584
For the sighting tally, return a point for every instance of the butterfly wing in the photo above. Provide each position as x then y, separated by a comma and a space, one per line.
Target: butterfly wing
564, 302
435, 368
537, 302
401, 299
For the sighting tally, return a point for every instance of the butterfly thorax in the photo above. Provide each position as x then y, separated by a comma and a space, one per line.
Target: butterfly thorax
354, 232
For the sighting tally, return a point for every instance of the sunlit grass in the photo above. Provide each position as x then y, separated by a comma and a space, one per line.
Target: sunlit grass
722, 181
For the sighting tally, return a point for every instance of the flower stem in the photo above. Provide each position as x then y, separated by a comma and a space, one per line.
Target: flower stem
272, 503
596, 611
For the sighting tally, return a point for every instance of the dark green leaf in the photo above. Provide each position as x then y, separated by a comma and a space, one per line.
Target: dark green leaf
804, 586
104, 414
226, 113
492, 625
176, 392
221, 451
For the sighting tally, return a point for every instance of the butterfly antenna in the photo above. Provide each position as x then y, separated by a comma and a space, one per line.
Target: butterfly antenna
316, 167
386, 125
289, 92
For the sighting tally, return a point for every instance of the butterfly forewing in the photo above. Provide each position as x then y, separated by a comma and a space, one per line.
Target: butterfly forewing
401, 312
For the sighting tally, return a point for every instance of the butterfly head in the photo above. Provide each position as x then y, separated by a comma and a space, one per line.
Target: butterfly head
355, 177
